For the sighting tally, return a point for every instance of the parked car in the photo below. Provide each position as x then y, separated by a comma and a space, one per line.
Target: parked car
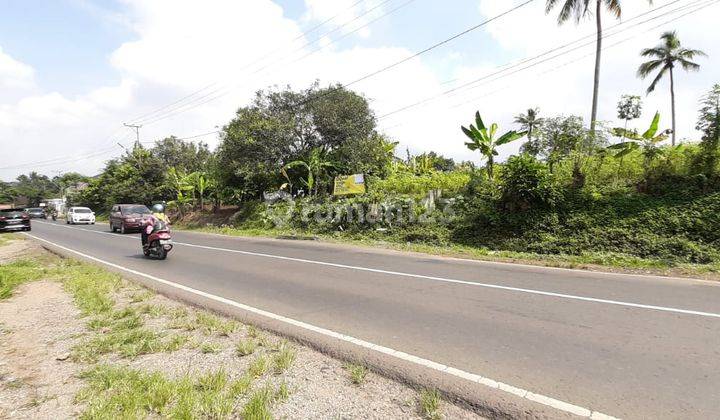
14, 219
126, 217
79, 215
36, 213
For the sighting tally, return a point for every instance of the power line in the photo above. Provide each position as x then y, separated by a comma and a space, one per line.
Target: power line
381, 70
146, 115
701, 5
426, 50
208, 97
507, 67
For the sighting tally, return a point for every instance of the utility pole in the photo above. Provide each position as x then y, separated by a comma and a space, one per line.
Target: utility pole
137, 131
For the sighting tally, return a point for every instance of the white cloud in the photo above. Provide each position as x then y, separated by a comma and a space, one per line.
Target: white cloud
14, 74
182, 46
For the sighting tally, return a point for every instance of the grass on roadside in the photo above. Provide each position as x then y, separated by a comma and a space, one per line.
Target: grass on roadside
121, 392
245, 347
357, 373
5, 238
284, 358
430, 404
259, 366
210, 348
18, 272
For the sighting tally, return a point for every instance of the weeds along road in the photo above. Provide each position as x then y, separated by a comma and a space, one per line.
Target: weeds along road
621, 345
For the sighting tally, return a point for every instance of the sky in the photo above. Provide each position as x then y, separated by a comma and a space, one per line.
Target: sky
72, 72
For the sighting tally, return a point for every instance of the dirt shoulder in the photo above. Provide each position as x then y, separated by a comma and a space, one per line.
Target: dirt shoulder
77, 340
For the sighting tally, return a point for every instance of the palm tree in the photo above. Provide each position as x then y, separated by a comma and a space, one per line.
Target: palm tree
530, 121
579, 9
666, 56
484, 140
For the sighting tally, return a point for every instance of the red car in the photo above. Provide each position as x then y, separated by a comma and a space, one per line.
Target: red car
126, 217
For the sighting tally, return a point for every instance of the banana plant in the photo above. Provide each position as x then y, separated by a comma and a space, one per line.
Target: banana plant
647, 142
177, 181
181, 202
315, 166
200, 184
484, 140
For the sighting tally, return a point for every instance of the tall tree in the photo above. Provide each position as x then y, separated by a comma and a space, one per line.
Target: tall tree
629, 108
665, 57
709, 104
529, 122
578, 9
484, 140
709, 124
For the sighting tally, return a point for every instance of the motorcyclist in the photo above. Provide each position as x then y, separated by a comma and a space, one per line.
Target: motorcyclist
157, 217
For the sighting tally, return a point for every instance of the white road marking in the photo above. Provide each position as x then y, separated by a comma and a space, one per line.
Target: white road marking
538, 398
438, 279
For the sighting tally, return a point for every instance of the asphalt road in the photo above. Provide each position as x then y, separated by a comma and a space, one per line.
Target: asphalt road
627, 346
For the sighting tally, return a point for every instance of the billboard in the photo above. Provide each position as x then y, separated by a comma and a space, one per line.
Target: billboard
349, 184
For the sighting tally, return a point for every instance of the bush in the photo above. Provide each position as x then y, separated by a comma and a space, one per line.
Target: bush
527, 184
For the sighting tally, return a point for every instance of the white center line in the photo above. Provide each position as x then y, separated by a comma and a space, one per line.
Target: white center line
437, 279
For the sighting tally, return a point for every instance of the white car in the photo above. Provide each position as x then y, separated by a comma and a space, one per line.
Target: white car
79, 215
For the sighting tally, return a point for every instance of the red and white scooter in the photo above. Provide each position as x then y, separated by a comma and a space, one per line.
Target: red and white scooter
159, 241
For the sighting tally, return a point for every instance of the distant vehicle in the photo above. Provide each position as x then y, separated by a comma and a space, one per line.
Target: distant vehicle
126, 217
79, 215
14, 219
36, 213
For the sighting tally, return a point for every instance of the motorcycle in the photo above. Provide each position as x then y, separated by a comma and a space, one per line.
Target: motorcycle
54, 216
159, 242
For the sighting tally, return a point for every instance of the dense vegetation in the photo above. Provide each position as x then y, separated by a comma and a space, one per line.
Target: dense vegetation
613, 193
616, 193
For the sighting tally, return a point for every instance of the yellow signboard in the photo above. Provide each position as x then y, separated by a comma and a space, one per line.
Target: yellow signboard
349, 184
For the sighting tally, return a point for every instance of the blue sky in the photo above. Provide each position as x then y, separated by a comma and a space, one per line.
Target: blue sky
72, 71
69, 41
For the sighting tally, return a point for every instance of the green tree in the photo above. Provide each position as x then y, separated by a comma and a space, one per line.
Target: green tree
135, 177
530, 122
647, 142
707, 115
709, 124
578, 9
484, 140
629, 108
283, 126
527, 184
7, 193
559, 137
665, 56
36, 187
184, 155
316, 165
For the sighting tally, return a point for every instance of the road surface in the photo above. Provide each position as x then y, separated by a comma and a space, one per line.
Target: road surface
623, 345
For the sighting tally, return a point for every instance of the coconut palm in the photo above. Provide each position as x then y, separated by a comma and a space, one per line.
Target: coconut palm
530, 121
483, 139
578, 9
666, 56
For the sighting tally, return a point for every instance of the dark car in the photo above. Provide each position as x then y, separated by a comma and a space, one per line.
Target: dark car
14, 219
36, 213
125, 217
